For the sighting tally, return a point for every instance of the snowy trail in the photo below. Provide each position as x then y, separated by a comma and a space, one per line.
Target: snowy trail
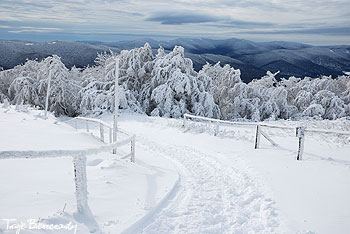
212, 197
183, 181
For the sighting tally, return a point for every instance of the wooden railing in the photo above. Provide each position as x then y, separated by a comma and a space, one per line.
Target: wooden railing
300, 131
102, 126
79, 160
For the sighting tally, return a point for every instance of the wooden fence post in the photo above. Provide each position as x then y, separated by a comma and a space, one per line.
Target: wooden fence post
102, 133
110, 135
133, 149
300, 133
184, 122
216, 129
257, 137
80, 179
87, 126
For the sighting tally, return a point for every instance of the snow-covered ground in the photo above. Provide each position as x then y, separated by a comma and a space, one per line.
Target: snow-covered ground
183, 181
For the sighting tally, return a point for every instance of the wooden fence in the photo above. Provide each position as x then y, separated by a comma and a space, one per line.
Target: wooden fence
300, 131
79, 160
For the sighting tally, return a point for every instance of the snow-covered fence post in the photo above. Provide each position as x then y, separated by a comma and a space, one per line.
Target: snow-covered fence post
216, 129
80, 178
102, 133
116, 103
257, 137
110, 135
47, 94
87, 126
300, 133
133, 149
184, 122
76, 124
6, 104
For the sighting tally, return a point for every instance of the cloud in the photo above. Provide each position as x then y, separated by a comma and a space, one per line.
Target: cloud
345, 31
261, 19
26, 29
182, 18
178, 18
243, 24
28, 4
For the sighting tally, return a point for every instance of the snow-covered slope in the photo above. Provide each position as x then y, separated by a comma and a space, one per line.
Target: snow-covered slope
120, 192
184, 180
309, 196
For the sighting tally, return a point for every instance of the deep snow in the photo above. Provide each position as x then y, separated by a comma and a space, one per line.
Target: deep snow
183, 181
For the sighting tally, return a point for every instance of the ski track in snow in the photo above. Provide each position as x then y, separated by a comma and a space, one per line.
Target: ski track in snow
211, 198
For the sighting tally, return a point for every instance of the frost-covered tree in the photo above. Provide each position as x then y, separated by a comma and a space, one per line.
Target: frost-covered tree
76, 74
167, 85
314, 110
98, 92
136, 66
98, 97
24, 90
28, 69
333, 105
303, 100
267, 81
223, 80
175, 88
279, 96
64, 89
245, 103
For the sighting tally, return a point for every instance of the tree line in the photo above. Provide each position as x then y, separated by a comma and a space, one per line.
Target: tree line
165, 84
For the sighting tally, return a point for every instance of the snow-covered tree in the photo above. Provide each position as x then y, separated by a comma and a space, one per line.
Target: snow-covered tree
223, 80
64, 89
28, 69
24, 90
333, 105
98, 92
175, 88
98, 97
167, 85
266, 81
303, 100
314, 110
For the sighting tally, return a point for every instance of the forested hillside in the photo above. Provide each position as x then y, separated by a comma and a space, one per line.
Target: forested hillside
252, 58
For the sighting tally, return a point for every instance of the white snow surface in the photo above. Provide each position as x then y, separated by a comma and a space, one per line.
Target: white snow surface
183, 181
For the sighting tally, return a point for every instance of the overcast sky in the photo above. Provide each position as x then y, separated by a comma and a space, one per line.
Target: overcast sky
317, 22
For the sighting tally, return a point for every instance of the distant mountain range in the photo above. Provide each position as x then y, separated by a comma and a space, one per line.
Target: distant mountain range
253, 58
